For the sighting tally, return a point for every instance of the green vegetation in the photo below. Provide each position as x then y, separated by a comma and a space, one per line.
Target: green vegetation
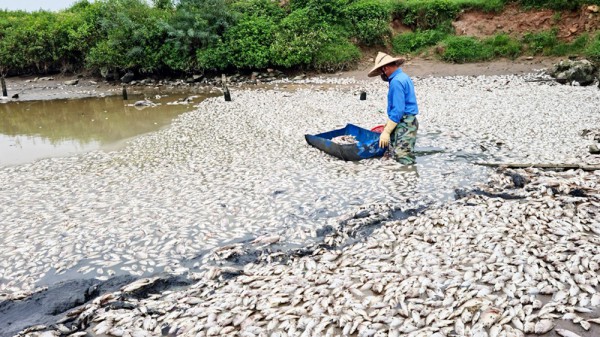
484, 5
415, 42
503, 45
593, 50
132, 38
338, 55
186, 36
460, 49
369, 21
548, 44
437, 14
558, 4
41, 41
541, 43
428, 14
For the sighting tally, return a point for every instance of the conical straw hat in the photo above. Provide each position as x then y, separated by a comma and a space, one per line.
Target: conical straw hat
381, 60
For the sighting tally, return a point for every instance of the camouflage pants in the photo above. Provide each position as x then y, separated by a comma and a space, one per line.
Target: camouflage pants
403, 140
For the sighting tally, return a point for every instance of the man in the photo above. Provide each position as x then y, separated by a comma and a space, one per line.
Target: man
400, 131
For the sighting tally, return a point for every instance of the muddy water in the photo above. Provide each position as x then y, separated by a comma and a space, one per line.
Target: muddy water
41, 129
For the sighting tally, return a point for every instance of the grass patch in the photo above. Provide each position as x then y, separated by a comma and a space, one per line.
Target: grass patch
578, 46
558, 4
482, 5
548, 44
425, 14
502, 45
416, 41
593, 50
463, 49
540, 43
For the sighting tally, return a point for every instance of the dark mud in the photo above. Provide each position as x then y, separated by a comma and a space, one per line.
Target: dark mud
49, 306
461, 194
282, 253
46, 307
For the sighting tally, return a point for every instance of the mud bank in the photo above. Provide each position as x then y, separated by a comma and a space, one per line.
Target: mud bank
50, 87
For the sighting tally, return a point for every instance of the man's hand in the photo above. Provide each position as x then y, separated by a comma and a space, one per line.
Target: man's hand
384, 139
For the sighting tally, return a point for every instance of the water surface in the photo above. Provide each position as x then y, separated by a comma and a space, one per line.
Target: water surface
39, 129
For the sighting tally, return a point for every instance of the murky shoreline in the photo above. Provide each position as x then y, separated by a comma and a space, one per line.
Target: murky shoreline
41, 129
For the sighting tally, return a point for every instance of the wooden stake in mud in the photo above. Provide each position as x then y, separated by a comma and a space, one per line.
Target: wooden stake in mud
226, 93
4, 92
124, 93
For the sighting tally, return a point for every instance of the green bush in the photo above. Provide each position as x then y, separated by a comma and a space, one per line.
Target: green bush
163, 4
540, 43
262, 8
339, 54
415, 41
143, 38
129, 39
483, 5
369, 20
426, 14
593, 49
461, 49
9, 59
28, 42
578, 46
329, 11
299, 37
73, 37
503, 45
247, 44
215, 57
182, 36
196, 24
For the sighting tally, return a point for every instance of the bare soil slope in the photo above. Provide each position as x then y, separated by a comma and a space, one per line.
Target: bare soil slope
516, 21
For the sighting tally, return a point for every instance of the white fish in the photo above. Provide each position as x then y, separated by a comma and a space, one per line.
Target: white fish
566, 333
543, 326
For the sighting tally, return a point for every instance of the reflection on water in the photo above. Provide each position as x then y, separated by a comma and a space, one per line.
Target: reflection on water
40, 129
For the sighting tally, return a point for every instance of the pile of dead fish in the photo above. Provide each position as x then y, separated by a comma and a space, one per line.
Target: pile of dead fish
233, 184
524, 263
344, 140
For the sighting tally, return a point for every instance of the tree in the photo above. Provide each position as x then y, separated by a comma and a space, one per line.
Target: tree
163, 4
196, 24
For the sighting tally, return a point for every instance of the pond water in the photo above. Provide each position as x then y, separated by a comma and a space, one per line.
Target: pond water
40, 129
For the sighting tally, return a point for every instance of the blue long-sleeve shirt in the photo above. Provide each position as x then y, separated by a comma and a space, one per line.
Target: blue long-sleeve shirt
401, 96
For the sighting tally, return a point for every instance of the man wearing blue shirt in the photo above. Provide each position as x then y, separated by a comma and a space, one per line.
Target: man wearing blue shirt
400, 132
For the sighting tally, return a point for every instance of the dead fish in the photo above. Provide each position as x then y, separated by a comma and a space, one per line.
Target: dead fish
344, 140
543, 326
566, 333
